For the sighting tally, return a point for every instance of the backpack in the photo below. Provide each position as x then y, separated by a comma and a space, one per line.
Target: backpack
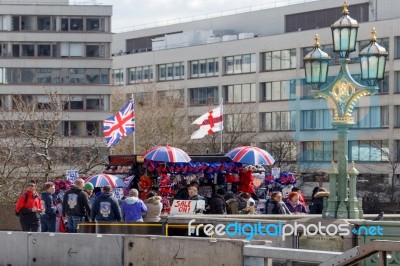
26, 200
242, 203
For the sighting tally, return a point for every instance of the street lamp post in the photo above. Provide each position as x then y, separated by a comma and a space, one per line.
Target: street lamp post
342, 94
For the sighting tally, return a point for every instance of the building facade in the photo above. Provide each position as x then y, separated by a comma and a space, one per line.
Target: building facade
256, 57
54, 47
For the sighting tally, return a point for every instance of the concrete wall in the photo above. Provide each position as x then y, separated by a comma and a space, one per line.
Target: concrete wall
21, 248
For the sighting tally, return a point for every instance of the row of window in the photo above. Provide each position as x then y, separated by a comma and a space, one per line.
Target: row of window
54, 50
68, 102
53, 23
246, 63
54, 76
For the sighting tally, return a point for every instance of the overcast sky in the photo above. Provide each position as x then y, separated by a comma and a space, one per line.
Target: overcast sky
130, 13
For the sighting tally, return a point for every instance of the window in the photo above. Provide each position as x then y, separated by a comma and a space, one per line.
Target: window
371, 117
76, 24
118, 76
397, 82
369, 150
397, 47
27, 50
276, 60
316, 119
93, 50
278, 121
278, 90
325, 151
140, 74
240, 64
239, 122
204, 68
44, 23
324, 17
92, 128
240, 93
172, 71
397, 116
92, 24
203, 96
94, 102
71, 128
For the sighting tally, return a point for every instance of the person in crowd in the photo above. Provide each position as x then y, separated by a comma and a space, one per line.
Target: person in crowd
317, 204
194, 194
217, 202
154, 207
48, 219
315, 190
75, 205
244, 200
276, 205
301, 197
89, 189
133, 208
28, 208
105, 208
232, 204
294, 205
183, 192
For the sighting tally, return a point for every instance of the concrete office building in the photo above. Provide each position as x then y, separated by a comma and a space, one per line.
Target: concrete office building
52, 46
257, 57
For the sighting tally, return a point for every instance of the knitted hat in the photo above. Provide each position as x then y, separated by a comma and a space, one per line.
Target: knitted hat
88, 186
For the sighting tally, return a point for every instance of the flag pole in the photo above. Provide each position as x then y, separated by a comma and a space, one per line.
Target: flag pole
221, 104
134, 132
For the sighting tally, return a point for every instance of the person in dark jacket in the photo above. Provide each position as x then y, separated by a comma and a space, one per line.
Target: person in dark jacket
48, 219
29, 206
276, 205
106, 208
217, 202
75, 205
318, 201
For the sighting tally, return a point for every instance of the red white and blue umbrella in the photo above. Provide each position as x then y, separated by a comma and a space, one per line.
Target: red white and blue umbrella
102, 180
251, 155
167, 154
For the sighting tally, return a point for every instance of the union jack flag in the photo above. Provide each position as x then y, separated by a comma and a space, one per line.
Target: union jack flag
120, 125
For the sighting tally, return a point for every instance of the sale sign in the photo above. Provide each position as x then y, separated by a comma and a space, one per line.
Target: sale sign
183, 207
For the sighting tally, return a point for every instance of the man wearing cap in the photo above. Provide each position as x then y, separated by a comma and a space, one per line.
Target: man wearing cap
106, 208
75, 205
89, 188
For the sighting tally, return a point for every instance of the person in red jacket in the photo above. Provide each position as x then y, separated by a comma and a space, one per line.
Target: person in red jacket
29, 207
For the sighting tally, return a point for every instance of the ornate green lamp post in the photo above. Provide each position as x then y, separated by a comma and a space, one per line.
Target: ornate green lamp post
342, 95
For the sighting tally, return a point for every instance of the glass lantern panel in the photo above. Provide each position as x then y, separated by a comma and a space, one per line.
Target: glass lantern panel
373, 67
316, 71
364, 67
324, 71
307, 67
381, 67
344, 39
353, 36
336, 40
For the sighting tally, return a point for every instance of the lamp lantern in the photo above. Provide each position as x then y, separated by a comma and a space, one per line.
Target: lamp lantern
316, 64
373, 61
344, 33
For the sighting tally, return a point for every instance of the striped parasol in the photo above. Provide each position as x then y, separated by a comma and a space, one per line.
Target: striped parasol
167, 154
251, 155
102, 180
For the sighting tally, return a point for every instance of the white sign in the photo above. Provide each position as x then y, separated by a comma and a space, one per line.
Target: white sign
118, 192
276, 172
183, 207
72, 175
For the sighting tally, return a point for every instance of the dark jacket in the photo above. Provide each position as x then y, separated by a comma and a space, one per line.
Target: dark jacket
318, 202
49, 206
217, 205
277, 208
75, 202
182, 194
105, 208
